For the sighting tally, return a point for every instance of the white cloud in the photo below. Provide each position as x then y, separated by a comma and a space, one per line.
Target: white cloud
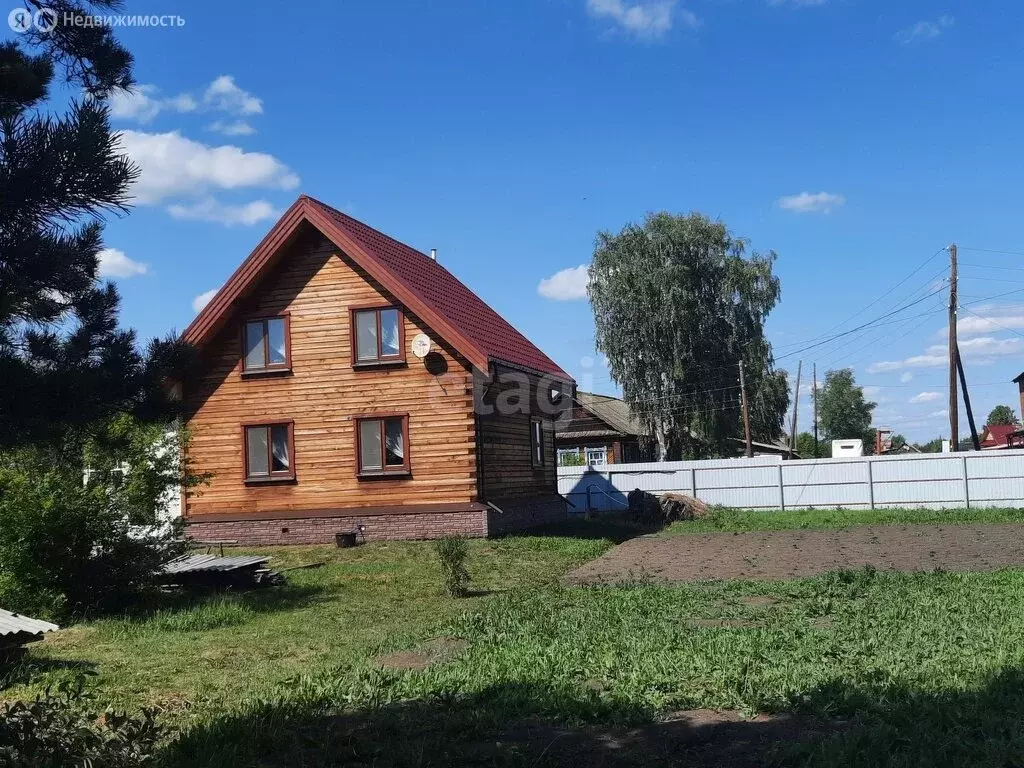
939, 414
986, 319
925, 30
906, 377
805, 202
173, 166
144, 102
223, 95
203, 299
650, 19
982, 350
209, 209
798, 3
925, 397
566, 285
114, 263
233, 128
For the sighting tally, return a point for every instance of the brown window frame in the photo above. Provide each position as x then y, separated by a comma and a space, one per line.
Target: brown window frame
268, 367
535, 462
270, 477
380, 360
405, 470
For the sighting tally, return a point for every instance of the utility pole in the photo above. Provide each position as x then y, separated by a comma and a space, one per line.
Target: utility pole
967, 402
796, 402
814, 395
954, 353
746, 413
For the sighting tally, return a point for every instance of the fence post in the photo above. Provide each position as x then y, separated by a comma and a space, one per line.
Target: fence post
871, 482
693, 481
782, 491
967, 485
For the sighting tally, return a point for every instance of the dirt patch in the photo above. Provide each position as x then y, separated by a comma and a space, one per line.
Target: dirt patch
797, 554
724, 624
439, 649
695, 738
759, 601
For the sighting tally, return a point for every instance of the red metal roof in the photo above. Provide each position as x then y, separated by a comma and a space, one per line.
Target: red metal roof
421, 283
996, 434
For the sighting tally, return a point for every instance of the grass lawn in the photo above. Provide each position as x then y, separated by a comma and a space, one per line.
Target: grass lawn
906, 669
726, 519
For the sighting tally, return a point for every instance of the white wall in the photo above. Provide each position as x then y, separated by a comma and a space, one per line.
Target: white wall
970, 479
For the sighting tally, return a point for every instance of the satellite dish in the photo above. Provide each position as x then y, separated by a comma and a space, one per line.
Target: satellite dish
421, 345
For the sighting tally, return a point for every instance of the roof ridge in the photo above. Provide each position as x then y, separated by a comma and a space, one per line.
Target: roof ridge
361, 231
373, 229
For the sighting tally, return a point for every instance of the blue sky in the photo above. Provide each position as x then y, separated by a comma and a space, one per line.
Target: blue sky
854, 138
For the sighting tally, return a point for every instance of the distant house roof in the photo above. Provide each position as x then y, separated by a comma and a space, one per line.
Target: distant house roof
1018, 378
996, 434
444, 303
612, 411
616, 414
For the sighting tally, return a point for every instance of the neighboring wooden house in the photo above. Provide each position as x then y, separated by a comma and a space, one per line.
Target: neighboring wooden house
600, 430
349, 383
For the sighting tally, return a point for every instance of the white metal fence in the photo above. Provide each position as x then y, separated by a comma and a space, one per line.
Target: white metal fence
970, 479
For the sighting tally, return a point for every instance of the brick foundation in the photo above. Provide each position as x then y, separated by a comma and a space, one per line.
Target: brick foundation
515, 516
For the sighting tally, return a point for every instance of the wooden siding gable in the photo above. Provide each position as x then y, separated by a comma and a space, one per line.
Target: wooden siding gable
243, 281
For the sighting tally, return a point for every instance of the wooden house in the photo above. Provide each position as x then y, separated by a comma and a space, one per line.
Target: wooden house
601, 430
348, 383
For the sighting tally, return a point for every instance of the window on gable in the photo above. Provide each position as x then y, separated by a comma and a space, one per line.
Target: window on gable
269, 452
536, 442
267, 346
378, 336
382, 445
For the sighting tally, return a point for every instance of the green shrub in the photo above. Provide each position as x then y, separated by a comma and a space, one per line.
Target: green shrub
73, 541
452, 551
62, 728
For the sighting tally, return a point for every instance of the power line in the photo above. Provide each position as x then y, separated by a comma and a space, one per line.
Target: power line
992, 298
990, 279
990, 320
874, 322
992, 250
917, 269
993, 266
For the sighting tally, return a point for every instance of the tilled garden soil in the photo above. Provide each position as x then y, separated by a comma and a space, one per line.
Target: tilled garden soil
800, 553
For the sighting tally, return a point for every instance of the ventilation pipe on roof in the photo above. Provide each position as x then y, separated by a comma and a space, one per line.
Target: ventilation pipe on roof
433, 254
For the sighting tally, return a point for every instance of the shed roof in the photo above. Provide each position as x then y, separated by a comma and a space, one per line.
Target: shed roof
16, 624
433, 293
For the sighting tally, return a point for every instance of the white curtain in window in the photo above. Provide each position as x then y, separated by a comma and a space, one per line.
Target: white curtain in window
279, 449
395, 440
389, 332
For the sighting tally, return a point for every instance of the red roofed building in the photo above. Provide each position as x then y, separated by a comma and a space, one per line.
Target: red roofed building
348, 383
996, 436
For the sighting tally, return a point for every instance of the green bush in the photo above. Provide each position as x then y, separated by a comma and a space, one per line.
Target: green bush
452, 551
61, 728
75, 541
